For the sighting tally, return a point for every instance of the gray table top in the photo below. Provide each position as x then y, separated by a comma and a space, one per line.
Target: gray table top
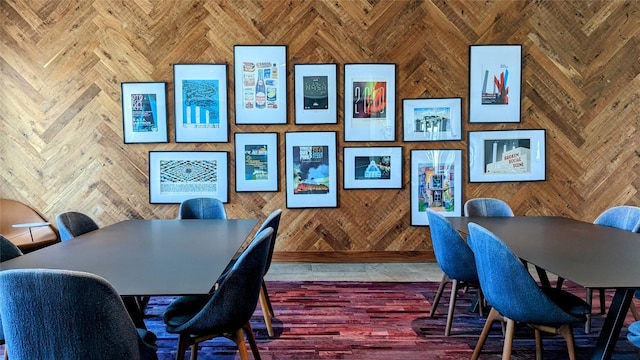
590, 255
149, 257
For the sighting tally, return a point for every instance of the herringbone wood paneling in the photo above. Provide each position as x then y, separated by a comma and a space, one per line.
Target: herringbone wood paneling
62, 63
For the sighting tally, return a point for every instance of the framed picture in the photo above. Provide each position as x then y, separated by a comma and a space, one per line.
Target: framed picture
256, 162
175, 176
369, 102
437, 119
261, 84
507, 155
144, 112
373, 167
311, 169
435, 177
495, 78
316, 93
201, 102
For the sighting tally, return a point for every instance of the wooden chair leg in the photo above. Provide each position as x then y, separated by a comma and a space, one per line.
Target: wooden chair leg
493, 316
266, 296
567, 333
242, 347
452, 306
538, 335
436, 300
194, 351
508, 339
252, 341
265, 312
183, 344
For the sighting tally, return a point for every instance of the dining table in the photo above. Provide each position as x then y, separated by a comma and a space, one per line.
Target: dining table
593, 256
142, 258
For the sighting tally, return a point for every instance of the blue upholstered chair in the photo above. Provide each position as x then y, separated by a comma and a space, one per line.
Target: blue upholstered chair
72, 224
8, 251
623, 217
487, 207
202, 208
71, 315
228, 310
515, 296
272, 221
456, 260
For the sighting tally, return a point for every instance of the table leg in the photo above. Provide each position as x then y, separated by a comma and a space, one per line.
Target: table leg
133, 308
613, 324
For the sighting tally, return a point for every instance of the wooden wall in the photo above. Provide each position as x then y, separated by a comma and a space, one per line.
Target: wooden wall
62, 62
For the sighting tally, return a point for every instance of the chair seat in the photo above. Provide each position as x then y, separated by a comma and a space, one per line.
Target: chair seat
183, 309
568, 302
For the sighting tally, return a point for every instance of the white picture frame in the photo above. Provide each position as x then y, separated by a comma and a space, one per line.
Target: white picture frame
372, 167
495, 83
201, 104
175, 176
436, 119
369, 102
268, 104
316, 93
311, 169
256, 157
507, 155
144, 112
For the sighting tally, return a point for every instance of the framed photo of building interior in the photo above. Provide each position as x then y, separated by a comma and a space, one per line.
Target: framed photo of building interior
438, 119
256, 161
435, 183
495, 83
372, 167
201, 102
316, 93
261, 84
144, 112
507, 155
175, 176
369, 102
311, 169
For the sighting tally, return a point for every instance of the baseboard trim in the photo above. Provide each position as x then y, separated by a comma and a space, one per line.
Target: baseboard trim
353, 256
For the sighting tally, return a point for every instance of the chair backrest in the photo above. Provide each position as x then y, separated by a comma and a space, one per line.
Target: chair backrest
72, 224
453, 255
624, 217
62, 314
235, 301
507, 284
487, 207
202, 208
8, 251
272, 221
